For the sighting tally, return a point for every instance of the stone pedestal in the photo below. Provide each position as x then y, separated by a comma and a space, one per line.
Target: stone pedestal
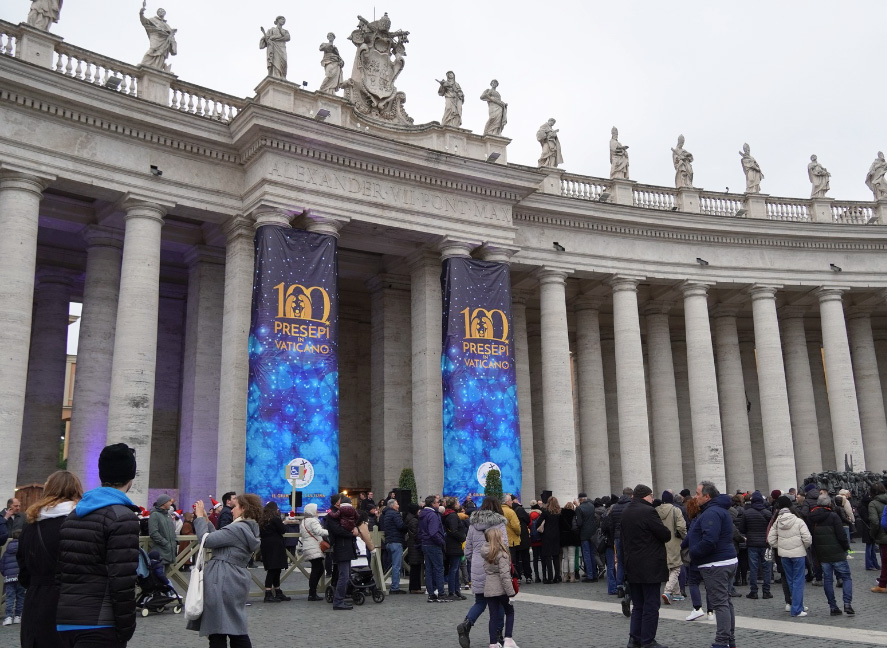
595, 474
37, 46
524, 400
552, 183
881, 211
821, 210
154, 85
688, 200
622, 192
755, 205
291, 97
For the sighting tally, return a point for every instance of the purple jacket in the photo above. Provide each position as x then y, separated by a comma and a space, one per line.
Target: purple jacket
431, 531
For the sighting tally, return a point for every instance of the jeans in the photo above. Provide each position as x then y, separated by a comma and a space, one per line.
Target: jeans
693, 580
793, 574
871, 556
644, 612
15, 598
620, 563
499, 606
718, 581
611, 570
395, 551
842, 571
434, 575
343, 568
453, 574
94, 638
480, 604
755, 562
588, 560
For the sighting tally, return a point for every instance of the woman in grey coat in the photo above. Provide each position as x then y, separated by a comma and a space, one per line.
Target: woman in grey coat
226, 581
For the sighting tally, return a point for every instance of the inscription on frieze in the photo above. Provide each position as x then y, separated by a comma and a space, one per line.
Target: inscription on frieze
390, 193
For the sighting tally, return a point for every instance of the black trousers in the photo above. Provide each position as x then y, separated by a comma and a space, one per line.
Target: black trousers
645, 611
316, 573
272, 578
237, 641
94, 638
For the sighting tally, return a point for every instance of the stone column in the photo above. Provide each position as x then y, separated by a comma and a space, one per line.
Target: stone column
775, 415
667, 447
868, 389
846, 426
682, 389
390, 379
131, 408
732, 399
802, 404
708, 445
20, 196
524, 395
165, 424
634, 427
42, 421
820, 399
234, 377
753, 406
611, 398
595, 473
557, 387
95, 353
201, 373
534, 353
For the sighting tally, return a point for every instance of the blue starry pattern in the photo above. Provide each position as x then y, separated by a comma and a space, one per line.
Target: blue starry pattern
293, 400
480, 404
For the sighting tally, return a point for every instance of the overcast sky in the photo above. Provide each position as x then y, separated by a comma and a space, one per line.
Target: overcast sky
789, 78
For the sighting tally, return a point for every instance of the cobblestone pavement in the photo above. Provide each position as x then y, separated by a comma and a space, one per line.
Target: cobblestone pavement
547, 616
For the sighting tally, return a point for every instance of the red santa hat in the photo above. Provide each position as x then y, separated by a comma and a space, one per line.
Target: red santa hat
214, 502
179, 512
144, 512
292, 514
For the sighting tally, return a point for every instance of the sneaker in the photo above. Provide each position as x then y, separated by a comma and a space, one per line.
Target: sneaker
7, 621
879, 590
767, 595
710, 616
695, 614
788, 607
529, 581
835, 611
17, 619
462, 630
678, 597
509, 643
666, 598
801, 614
817, 582
848, 609
397, 591
751, 595
433, 599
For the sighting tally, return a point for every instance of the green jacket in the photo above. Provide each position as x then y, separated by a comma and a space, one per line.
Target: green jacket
876, 508
163, 534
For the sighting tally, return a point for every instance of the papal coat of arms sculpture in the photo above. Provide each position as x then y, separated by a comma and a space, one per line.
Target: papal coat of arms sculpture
378, 62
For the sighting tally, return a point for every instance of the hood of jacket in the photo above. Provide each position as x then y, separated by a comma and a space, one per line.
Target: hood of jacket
310, 510
100, 498
483, 520
722, 501
786, 519
664, 510
62, 509
819, 514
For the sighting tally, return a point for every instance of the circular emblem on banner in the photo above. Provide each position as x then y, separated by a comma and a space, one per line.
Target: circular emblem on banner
482, 471
300, 471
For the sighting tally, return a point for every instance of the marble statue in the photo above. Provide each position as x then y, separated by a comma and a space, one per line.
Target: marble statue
161, 37
498, 109
683, 165
332, 65
371, 87
452, 93
753, 175
818, 177
618, 157
875, 179
43, 13
551, 146
275, 40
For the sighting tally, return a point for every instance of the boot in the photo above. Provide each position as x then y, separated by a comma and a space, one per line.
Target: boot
463, 629
270, 598
280, 596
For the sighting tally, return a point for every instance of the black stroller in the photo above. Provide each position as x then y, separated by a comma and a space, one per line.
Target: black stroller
361, 582
156, 593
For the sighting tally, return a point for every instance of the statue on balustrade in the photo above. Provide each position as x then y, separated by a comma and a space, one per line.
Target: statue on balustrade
683, 165
618, 157
332, 65
875, 179
371, 88
818, 177
498, 109
161, 37
551, 146
43, 13
275, 40
454, 98
753, 175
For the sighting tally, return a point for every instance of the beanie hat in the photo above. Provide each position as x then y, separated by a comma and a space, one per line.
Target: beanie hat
775, 494
162, 499
117, 464
757, 497
783, 502
685, 492
582, 495
345, 500
809, 487
667, 497
641, 491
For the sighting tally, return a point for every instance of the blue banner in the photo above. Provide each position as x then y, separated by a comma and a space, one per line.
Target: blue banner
481, 429
292, 427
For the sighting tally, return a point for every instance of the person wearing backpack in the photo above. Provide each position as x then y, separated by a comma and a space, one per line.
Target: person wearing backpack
878, 530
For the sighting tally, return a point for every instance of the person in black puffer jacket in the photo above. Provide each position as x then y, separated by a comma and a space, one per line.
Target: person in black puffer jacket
98, 558
753, 525
830, 545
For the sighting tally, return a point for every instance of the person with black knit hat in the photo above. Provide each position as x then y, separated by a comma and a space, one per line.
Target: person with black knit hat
98, 558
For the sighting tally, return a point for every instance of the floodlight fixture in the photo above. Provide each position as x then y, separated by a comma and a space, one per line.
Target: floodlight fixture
604, 197
155, 171
835, 268
741, 213
322, 114
559, 247
701, 261
113, 83
492, 157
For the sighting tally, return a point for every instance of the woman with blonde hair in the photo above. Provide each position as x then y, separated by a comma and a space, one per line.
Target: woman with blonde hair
37, 553
498, 587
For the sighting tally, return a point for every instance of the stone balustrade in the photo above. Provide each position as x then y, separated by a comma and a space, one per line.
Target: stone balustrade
855, 213
95, 69
788, 209
721, 204
9, 37
203, 102
581, 187
651, 197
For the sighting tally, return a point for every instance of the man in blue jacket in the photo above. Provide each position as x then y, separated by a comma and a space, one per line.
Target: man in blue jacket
392, 525
713, 553
432, 538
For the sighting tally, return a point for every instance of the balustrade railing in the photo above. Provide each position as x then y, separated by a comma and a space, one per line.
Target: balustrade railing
721, 205
203, 102
95, 69
650, 197
582, 187
9, 35
787, 209
854, 214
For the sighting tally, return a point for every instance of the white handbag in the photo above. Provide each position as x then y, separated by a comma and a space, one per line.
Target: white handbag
194, 597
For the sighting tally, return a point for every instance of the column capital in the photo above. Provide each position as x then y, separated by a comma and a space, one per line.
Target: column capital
792, 311
422, 257
238, 226
624, 282
695, 288
47, 275
320, 223
271, 216
388, 281
497, 252
725, 310
764, 291
173, 290
204, 254
657, 307
520, 297
859, 312
100, 236
451, 247
12, 177
141, 206
587, 302
831, 293
549, 275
